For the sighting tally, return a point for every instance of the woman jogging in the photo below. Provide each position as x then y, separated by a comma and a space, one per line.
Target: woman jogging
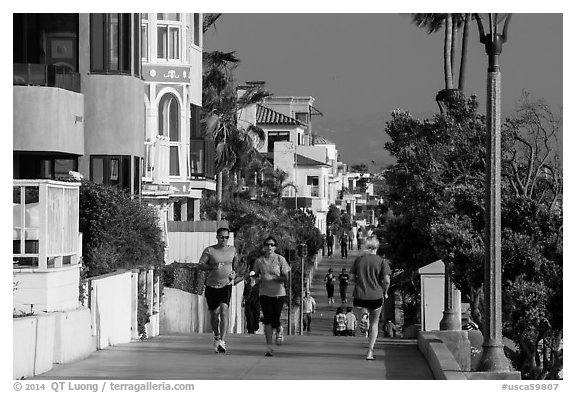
372, 279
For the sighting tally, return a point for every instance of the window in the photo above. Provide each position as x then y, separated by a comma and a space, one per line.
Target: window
278, 136
111, 170
137, 46
110, 43
197, 29
174, 161
168, 36
169, 125
313, 182
302, 117
169, 16
34, 166
202, 149
169, 117
137, 174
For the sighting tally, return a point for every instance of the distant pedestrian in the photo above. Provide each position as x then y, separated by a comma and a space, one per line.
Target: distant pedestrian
350, 322
308, 308
344, 245
330, 243
359, 238
329, 279
390, 329
350, 238
339, 324
343, 280
272, 270
220, 260
251, 303
372, 280
323, 244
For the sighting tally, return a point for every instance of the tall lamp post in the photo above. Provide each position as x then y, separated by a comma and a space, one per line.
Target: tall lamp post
493, 358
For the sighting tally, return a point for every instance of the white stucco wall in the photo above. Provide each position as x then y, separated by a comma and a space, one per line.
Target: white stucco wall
55, 289
111, 308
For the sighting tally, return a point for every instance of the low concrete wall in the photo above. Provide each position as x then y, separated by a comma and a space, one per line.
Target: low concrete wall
111, 308
73, 339
55, 289
444, 366
184, 313
439, 357
33, 345
40, 341
70, 335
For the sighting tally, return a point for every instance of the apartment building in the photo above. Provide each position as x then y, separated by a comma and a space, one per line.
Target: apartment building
115, 97
178, 160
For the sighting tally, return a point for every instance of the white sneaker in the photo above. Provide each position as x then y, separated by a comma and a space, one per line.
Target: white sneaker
279, 336
216, 344
222, 347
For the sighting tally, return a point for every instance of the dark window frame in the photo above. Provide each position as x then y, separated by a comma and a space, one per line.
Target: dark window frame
100, 48
124, 174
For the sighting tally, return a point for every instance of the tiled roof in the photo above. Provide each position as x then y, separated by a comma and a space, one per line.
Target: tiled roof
320, 140
266, 115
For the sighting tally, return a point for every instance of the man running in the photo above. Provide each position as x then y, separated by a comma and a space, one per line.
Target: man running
220, 261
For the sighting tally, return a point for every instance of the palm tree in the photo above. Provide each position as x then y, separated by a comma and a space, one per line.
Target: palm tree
451, 23
221, 106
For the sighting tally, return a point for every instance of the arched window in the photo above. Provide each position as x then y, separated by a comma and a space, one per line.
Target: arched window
169, 117
169, 125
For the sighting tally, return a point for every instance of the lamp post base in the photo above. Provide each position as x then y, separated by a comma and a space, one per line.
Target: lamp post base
451, 320
493, 359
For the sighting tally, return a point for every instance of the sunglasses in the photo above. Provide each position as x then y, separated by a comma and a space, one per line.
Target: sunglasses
224, 237
270, 244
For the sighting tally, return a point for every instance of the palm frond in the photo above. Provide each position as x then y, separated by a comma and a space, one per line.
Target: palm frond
209, 21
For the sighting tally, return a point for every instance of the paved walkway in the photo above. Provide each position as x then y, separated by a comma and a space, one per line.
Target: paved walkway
317, 355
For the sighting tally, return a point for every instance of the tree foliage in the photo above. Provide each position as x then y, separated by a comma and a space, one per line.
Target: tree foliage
117, 231
436, 191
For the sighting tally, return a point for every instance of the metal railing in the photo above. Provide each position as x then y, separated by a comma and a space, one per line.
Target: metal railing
27, 74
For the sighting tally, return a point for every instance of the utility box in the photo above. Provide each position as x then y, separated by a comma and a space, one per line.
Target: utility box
432, 295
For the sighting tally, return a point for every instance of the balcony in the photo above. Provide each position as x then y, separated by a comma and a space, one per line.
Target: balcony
200, 167
47, 245
45, 224
26, 74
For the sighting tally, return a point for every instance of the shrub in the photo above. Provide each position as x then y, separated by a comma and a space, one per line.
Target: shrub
117, 231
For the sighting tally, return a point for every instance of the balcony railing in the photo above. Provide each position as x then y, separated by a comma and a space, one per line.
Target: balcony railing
45, 224
157, 160
26, 74
201, 161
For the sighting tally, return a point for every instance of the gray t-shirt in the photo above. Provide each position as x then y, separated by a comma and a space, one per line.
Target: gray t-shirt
277, 266
369, 271
213, 255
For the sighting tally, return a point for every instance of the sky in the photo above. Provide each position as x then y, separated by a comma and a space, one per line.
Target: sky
360, 67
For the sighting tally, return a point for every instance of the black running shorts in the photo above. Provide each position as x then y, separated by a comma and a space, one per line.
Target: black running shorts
217, 296
369, 304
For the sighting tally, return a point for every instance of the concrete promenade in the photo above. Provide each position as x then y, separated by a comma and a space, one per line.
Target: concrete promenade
314, 356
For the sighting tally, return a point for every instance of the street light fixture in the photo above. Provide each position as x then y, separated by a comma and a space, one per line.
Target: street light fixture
493, 358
